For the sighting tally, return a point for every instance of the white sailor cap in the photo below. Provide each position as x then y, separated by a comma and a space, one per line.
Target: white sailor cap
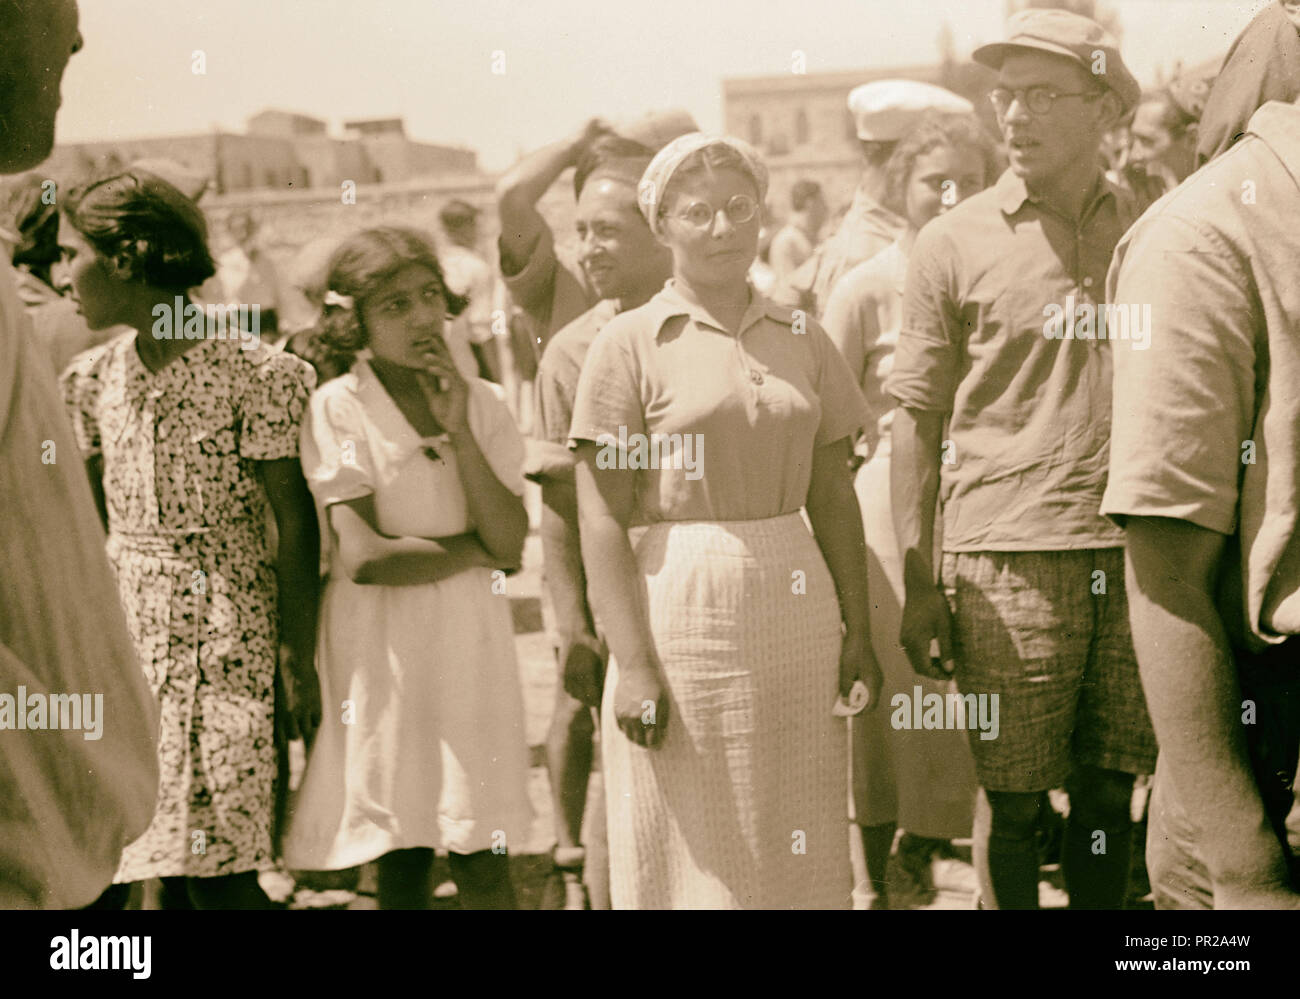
886, 110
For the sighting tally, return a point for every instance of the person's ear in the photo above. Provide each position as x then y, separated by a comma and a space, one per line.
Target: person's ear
121, 266
1110, 110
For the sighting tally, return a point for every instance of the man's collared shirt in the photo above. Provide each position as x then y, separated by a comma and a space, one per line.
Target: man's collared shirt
729, 422
1207, 420
1024, 464
561, 367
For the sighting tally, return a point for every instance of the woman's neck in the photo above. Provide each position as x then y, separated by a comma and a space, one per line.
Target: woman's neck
726, 303
160, 336
395, 377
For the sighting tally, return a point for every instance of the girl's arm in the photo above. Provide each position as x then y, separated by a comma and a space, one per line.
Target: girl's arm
371, 558
497, 513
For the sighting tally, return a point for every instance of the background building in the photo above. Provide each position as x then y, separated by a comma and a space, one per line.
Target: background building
281, 150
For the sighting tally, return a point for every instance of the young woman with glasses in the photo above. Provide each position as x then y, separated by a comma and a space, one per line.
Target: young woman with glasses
709, 420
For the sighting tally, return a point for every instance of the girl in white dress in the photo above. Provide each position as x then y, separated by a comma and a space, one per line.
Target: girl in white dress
418, 472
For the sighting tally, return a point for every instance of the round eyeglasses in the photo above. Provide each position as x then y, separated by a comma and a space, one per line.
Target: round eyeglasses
1038, 100
740, 208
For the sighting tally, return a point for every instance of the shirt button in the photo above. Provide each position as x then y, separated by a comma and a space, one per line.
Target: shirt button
756, 377
1087, 282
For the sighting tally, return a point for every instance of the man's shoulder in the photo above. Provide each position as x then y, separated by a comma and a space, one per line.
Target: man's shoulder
1204, 211
567, 348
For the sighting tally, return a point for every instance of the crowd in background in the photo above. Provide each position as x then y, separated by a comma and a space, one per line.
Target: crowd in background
799, 464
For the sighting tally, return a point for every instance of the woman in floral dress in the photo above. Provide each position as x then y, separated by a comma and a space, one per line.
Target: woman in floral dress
189, 428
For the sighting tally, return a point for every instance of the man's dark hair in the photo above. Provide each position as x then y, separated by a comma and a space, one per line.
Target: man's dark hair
604, 149
457, 215
35, 220
803, 193
877, 153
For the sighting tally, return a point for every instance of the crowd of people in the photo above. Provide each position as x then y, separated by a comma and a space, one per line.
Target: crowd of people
984, 492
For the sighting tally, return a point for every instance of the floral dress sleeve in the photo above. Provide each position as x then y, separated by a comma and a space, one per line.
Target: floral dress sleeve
273, 408
82, 383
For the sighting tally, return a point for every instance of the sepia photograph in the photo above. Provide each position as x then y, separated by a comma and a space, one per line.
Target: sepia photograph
709, 455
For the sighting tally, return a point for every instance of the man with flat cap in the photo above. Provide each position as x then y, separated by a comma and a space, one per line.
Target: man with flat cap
883, 112
996, 340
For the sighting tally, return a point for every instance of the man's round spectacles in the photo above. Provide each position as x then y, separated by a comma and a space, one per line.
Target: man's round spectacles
1038, 100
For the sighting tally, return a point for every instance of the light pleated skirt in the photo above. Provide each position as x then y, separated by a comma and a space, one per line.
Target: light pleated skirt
742, 803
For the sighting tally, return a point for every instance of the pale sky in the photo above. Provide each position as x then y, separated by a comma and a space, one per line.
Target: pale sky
431, 61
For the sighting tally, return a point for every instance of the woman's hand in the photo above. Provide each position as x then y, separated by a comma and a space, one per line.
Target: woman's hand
301, 693
858, 662
449, 403
641, 705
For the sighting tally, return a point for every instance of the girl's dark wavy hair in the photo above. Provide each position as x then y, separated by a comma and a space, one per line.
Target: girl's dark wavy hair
959, 131
357, 269
145, 223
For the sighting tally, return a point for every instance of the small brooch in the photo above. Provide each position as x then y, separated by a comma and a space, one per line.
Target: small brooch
428, 449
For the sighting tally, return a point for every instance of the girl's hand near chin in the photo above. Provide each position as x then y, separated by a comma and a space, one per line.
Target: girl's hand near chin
445, 389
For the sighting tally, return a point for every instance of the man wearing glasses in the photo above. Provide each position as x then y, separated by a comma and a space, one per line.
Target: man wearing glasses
1032, 606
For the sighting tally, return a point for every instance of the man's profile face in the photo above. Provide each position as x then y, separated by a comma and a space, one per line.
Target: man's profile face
39, 37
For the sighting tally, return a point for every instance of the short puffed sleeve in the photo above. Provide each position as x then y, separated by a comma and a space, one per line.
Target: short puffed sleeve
82, 383
336, 455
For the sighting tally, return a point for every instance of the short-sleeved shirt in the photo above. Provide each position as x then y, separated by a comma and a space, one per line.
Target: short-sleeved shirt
551, 292
865, 230
862, 319
561, 367
730, 422
1207, 418
70, 799
1024, 466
